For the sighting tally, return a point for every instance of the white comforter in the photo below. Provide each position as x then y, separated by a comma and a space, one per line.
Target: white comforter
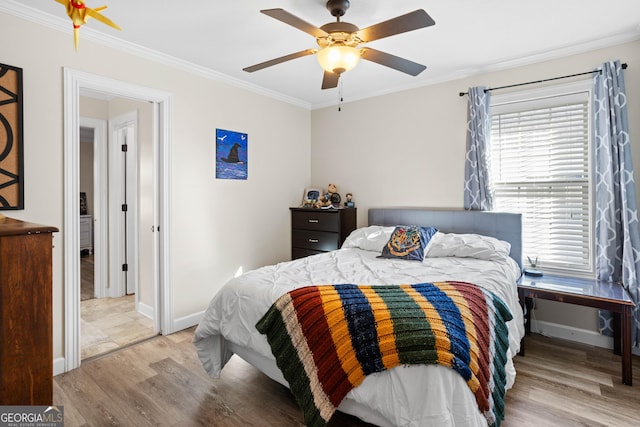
403, 396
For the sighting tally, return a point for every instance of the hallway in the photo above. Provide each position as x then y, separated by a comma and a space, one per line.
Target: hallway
107, 323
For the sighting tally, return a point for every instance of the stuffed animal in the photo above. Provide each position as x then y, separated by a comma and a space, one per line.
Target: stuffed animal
333, 196
323, 202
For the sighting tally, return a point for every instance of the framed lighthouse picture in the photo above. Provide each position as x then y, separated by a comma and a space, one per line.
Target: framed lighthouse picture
231, 154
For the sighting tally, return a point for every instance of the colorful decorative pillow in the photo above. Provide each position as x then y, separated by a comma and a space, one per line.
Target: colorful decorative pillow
408, 242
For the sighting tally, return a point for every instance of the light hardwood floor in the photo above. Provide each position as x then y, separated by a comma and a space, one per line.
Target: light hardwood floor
161, 382
87, 268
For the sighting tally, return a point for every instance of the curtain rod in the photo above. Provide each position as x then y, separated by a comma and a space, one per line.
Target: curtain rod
624, 67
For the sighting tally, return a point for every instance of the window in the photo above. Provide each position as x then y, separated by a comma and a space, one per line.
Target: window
540, 165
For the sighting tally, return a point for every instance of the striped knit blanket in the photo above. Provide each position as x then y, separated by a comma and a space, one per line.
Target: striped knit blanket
326, 339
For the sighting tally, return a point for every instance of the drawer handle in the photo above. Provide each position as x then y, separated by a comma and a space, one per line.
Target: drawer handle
313, 240
314, 221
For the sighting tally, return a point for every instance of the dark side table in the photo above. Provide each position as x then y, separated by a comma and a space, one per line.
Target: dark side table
589, 293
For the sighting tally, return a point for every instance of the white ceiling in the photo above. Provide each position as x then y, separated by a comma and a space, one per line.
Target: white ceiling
219, 38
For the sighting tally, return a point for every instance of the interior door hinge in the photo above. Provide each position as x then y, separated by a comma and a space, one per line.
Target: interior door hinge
125, 207
125, 267
125, 147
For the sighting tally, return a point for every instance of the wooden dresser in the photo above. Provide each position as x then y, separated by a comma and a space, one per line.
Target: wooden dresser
26, 331
314, 231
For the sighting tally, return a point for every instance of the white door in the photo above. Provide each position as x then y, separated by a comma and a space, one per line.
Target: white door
123, 204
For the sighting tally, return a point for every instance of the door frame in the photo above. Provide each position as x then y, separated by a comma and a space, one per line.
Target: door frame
100, 204
74, 82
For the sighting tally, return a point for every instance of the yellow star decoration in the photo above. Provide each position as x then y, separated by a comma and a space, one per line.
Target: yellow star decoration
79, 14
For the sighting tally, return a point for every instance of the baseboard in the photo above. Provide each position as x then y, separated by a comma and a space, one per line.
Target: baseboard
146, 310
58, 366
570, 333
187, 321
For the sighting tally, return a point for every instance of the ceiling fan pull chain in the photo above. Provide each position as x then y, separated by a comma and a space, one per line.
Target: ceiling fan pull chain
340, 99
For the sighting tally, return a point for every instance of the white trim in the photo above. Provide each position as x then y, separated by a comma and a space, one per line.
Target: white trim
165, 270
100, 203
156, 218
71, 221
73, 82
187, 321
62, 24
570, 333
614, 40
509, 64
146, 310
543, 92
58, 366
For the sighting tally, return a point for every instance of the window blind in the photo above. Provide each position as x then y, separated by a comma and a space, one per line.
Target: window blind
540, 168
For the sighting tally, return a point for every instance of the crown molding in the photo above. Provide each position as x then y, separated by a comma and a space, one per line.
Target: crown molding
29, 13
60, 24
614, 40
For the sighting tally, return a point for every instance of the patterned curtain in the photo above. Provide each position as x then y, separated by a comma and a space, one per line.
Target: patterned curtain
477, 183
617, 236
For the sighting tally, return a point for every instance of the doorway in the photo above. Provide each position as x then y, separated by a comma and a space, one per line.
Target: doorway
117, 311
78, 83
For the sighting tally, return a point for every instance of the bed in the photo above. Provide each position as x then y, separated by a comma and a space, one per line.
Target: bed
482, 248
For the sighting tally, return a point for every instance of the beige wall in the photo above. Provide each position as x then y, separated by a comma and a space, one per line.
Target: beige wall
408, 149
217, 225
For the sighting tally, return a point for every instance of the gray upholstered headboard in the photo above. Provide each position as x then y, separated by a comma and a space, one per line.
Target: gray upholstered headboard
503, 226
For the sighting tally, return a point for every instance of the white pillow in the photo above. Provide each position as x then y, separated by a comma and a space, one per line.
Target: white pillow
467, 246
372, 238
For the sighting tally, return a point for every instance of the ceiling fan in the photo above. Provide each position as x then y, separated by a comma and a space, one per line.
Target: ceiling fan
338, 42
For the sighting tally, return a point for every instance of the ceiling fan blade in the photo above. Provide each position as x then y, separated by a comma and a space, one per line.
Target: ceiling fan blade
330, 80
392, 61
280, 60
400, 24
284, 16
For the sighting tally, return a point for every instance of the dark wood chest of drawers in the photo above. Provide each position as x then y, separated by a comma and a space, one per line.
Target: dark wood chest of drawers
26, 332
314, 231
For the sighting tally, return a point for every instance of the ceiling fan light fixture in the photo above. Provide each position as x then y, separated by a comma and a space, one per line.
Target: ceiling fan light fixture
338, 42
338, 58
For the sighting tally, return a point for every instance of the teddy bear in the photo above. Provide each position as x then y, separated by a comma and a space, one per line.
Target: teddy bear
332, 195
